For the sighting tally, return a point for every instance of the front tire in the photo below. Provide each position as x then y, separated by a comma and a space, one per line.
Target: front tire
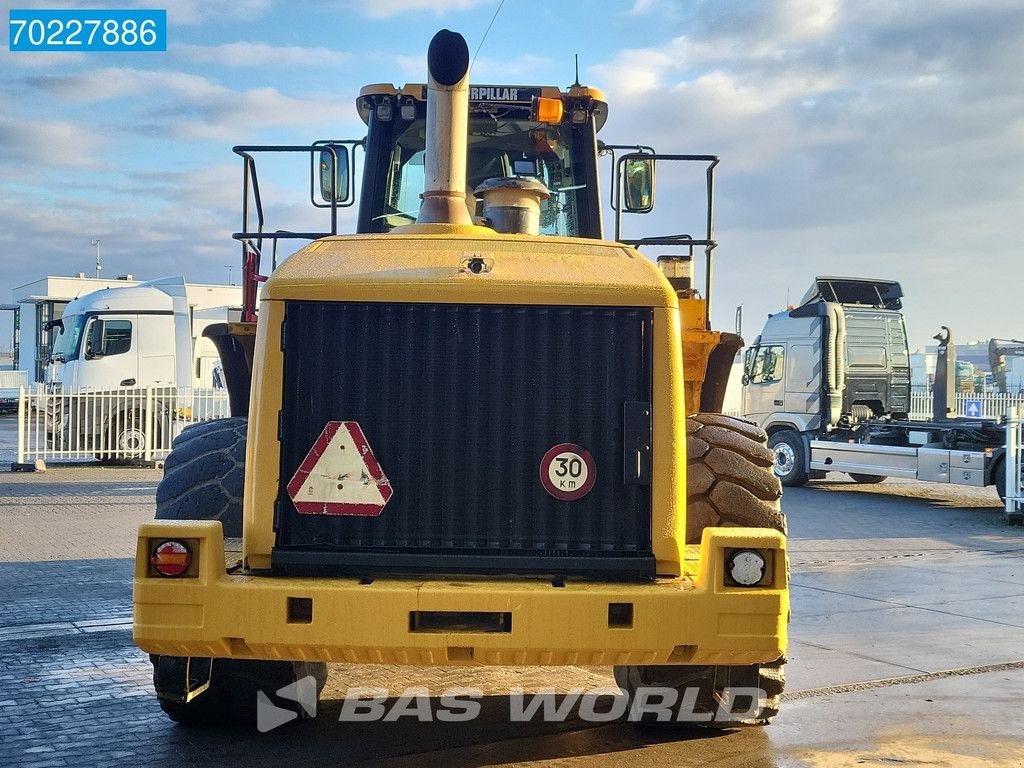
789, 455
235, 688
729, 482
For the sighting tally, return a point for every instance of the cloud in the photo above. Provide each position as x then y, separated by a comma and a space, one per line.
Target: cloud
243, 54
187, 12
27, 144
864, 138
151, 223
40, 60
382, 9
186, 106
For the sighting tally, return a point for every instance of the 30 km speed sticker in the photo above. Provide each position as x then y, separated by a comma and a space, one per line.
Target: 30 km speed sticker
568, 472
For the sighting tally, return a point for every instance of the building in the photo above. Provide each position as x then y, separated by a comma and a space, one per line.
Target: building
44, 300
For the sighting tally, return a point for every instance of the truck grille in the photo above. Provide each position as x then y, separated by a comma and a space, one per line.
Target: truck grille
459, 403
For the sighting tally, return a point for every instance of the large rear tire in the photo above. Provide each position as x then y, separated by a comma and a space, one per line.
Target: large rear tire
204, 475
730, 482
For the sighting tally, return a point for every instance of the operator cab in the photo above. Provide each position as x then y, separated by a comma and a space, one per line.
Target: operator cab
538, 133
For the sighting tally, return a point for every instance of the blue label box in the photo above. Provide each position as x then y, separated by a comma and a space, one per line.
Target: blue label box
88, 30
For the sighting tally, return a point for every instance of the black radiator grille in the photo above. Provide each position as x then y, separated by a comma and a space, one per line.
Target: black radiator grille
459, 403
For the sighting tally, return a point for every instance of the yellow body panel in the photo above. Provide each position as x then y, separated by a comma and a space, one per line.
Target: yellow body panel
698, 344
693, 619
520, 269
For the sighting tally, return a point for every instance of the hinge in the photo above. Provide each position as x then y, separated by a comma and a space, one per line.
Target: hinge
636, 454
280, 426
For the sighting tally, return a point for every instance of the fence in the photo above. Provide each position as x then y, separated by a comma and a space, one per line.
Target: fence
994, 405
128, 424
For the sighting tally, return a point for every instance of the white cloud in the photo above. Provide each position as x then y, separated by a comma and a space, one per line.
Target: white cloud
382, 9
188, 12
27, 144
886, 143
191, 106
243, 54
806, 19
110, 83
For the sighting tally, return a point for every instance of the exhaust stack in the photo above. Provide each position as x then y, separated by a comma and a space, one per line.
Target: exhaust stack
444, 195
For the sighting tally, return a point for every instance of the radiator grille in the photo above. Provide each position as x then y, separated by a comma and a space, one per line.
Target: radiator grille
459, 404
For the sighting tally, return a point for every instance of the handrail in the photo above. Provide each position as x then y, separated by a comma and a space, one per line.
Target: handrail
708, 241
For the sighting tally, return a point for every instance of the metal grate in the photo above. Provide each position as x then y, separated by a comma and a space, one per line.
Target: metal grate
459, 404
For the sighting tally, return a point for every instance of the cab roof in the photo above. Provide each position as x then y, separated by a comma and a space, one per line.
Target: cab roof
855, 290
484, 97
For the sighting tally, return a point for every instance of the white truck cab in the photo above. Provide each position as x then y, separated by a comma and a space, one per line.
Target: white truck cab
124, 361
133, 336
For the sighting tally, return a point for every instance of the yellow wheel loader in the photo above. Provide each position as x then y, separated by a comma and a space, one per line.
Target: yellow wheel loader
472, 433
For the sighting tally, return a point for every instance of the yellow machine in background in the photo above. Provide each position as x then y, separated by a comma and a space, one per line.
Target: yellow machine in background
473, 432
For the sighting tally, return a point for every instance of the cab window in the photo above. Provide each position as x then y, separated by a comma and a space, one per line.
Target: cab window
496, 150
115, 337
766, 364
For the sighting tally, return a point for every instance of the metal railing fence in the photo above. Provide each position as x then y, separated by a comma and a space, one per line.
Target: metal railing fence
994, 405
115, 425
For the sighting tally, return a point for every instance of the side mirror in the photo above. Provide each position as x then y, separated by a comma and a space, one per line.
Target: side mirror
94, 341
334, 177
639, 184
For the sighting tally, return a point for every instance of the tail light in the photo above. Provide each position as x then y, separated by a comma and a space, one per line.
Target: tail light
172, 558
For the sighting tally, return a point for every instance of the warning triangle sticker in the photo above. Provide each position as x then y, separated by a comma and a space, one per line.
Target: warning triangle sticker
340, 475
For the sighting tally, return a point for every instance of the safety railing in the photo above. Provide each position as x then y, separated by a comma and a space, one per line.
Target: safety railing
135, 425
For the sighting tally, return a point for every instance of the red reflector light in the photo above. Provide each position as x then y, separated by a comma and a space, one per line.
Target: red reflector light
172, 558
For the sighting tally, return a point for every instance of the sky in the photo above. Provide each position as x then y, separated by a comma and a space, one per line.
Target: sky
863, 138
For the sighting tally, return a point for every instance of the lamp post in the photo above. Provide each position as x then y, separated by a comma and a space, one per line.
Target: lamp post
98, 265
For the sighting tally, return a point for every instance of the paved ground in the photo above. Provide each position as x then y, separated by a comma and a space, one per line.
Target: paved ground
907, 647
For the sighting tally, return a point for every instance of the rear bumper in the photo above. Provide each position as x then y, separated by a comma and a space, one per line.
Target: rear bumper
695, 619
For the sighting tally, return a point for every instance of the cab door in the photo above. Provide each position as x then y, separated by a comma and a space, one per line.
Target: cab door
110, 359
764, 384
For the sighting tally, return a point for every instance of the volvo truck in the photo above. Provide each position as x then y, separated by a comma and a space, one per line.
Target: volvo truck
829, 381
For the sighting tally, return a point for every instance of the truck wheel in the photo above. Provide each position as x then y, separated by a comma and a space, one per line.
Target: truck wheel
857, 477
126, 438
235, 685
790, 462
729, 483
204, 474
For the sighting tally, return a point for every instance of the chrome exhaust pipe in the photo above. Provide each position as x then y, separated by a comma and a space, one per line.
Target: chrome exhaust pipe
444, 190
